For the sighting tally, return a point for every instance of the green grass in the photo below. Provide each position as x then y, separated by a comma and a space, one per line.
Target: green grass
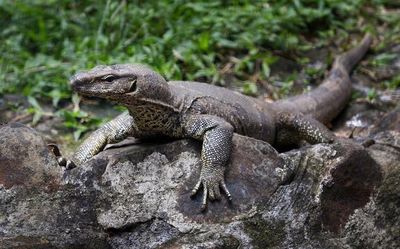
42, 43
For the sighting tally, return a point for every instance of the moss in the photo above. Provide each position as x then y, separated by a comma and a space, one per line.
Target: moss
388, 198
265, 234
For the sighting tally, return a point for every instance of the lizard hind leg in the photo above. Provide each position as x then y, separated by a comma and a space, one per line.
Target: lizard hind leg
293, 128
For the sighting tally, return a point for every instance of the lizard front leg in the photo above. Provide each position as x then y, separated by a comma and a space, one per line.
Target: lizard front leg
295, 127
113, 131
216, 134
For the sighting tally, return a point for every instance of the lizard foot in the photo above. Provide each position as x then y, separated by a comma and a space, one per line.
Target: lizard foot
211, 189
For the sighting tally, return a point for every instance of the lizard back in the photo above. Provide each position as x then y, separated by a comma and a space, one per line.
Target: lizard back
247, 115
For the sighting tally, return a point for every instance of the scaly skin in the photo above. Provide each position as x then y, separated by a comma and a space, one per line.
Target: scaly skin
210, 114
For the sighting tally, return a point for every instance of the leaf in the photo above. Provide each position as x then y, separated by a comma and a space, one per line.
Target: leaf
249, 88
56, 95
204, 41
75, 101
266, 69
383, 59
372, 95
36, 117
77, 134
33, 102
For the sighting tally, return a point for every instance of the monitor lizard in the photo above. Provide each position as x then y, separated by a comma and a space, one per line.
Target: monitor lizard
209, 113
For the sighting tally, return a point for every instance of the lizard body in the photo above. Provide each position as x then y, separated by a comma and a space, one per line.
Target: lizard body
209, 113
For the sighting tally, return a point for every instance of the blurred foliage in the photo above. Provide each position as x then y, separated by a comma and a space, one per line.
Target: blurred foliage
394, 83
43, 42
249, 88
383, 59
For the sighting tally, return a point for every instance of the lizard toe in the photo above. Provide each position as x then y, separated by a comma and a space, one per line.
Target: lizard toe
204, 202
211, 193
226, 191
196, 188
217, 192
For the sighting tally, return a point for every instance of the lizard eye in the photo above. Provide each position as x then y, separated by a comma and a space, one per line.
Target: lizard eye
109, 78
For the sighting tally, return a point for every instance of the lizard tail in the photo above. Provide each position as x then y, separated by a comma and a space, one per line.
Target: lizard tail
349, 59
325, 102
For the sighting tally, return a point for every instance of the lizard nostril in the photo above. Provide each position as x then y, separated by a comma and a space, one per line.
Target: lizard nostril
133, 87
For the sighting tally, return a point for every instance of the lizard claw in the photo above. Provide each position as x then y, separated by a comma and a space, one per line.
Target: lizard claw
196, 188
67, 164
211, 191
62, 161
204, 202
225, 189
70, 165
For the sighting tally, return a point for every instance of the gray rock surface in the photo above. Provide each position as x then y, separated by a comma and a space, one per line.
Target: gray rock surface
377, 224
25, 160
337, 195
37, 210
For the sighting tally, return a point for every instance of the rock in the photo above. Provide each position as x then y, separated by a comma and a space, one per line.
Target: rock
330, 182
337, 195
391, 121
357, 120
36, 209
25, 159
377, 224
155, 180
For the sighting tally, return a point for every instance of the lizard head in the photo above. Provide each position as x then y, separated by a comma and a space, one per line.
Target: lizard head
123, 83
